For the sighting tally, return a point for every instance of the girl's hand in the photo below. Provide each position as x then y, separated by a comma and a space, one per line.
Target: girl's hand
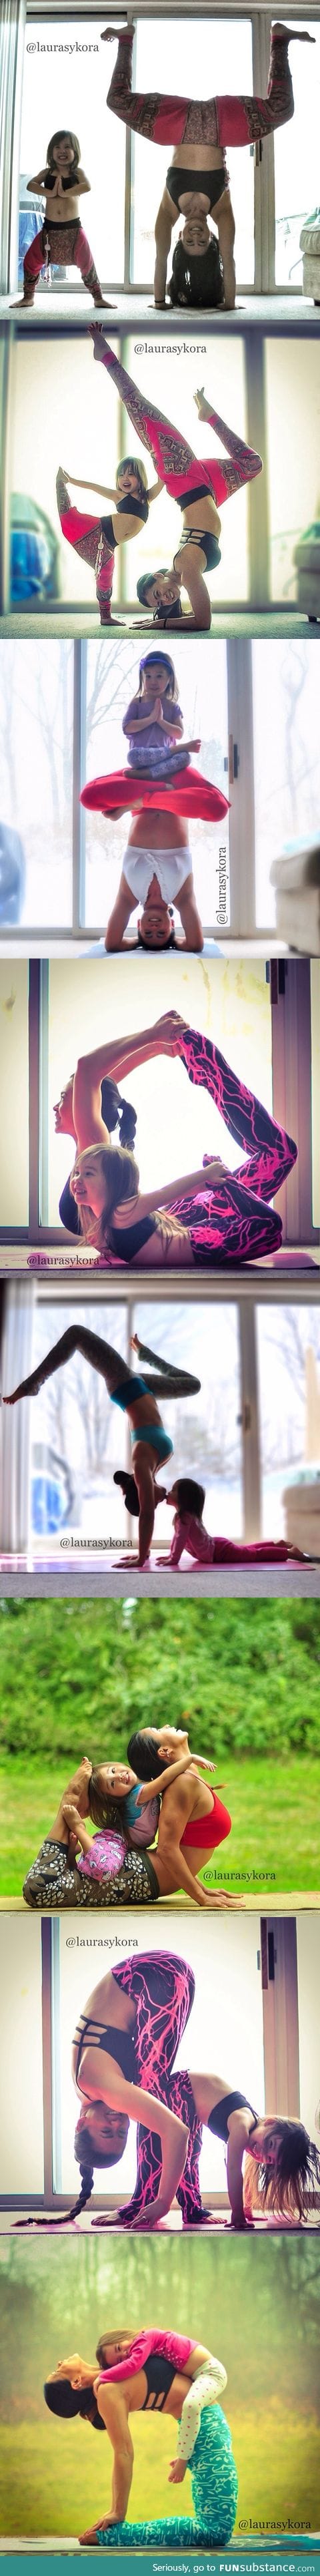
203, 408
157, 711
169, 1030
177, 2472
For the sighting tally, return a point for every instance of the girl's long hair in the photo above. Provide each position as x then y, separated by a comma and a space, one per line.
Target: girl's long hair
121, 1178
64, 136
172, 690
290, 2188
136, 467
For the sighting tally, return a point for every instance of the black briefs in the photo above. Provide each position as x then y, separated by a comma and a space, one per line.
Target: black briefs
204, 183
209, 546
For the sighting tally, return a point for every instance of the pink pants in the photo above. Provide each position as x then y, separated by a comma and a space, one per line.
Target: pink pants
67, 247
166, 119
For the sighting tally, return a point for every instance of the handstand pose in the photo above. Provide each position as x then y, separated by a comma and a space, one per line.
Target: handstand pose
165, 2373
200, 130
136, 1397
96, 539
197, 484
191, 1538
61, 240
210, 1216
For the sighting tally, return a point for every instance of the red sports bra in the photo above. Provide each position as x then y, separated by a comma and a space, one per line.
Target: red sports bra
205, 1832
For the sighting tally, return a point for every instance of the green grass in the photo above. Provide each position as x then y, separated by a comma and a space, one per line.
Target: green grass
56, 2479
275, 1807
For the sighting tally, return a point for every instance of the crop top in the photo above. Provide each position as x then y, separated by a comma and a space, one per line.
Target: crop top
129, 1239
135, 508
199, 494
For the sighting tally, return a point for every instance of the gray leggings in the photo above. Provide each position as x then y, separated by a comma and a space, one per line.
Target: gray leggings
53, 1881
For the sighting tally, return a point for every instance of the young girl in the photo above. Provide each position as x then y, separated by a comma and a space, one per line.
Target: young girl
153, 723
61, 242
96, 539
102, 1856
191, 1537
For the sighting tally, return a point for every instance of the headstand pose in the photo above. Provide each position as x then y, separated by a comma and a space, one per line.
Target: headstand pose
156, 867
200, 130
96, 539
191, 1538
217, 1216
136, 1397
165, 2373
192, 1824
197, 484
61, 241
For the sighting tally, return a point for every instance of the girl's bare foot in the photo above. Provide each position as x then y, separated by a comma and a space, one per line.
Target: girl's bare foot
22, 304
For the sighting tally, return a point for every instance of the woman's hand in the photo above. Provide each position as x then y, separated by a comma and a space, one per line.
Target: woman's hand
170, 1028
71, 1817
91, 2537
151, 2216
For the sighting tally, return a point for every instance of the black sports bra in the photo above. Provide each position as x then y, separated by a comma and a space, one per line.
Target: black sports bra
136, 509
201, 493
159, 2373
219, 2117
116, 2043
128, 1239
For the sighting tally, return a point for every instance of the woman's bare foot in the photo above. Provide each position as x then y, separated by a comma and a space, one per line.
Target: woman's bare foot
29, 1386
109, 34
101, 304
292, 35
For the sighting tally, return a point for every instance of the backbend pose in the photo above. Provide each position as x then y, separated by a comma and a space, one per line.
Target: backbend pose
166, 2373
192, 1824
61, 241
198, 484
200, 130
136, 1397
96, 539
191, 1538
214, 1215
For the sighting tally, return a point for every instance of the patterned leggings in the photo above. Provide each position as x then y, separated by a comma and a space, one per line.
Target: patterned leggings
175, 462
214, 2487
166, 119
163, 1991
52, 1881
86, 535
66, 246
232, 1221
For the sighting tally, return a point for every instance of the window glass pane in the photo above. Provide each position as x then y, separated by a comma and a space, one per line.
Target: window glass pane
14, 1092
113, 679
59, 415
36, 727
287, 789
176, 1121
293, 399
238, 2030
315, 1086
289, 1403
77, 1436
173, 382
308, 1962
21, 2148
296, 159
201, 58
204, 1428
66, 78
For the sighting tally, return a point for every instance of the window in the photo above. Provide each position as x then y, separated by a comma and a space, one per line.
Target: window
292, 396
66, 75
112, 679
14, 1090
296, 160
287, 783
77, 420
203, 68
21, 2170
238, 2037
36, 768
77, 1438
289, 1401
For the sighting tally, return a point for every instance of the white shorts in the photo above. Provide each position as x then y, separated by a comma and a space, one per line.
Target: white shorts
170, 868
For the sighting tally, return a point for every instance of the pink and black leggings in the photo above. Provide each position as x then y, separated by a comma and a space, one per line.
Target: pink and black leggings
66, 246
86, 535
174, 461
162, 1989
234, 1221
230, 120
